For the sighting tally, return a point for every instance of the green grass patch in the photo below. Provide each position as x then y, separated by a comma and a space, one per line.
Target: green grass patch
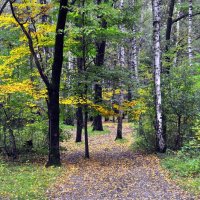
122, 141
185, 170
25, 181
95, 133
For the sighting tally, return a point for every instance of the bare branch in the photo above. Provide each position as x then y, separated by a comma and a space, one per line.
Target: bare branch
4, 5
184, 16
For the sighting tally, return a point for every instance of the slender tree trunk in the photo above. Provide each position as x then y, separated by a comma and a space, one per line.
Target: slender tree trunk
120, 117
160, 142
79, 112
79, 117
177, 34
167, 58
190, 56
134, 61
121, 95
12, 144
168, 34
178, 135
106, 119
97, 123
87, 155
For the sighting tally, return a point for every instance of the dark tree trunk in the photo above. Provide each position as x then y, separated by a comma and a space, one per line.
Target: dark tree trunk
79, 117
79, 112
87, 155
69, 115
97, 124
178, 140
99, 61
54, 87
13, 150
54, 152
106, 119
91, 118
119, 128
167, 58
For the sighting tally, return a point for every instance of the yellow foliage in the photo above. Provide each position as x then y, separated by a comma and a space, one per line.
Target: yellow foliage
6, 21
13, 87
75, 100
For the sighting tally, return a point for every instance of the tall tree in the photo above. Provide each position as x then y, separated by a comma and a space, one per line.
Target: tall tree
160, 142
99, 61
52, 84
79, 111
121, 94
190, 32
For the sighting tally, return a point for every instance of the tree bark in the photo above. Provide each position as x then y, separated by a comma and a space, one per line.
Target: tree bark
53, 90
168, 34
120, 117
178, 139
87, 155
79, 112
79, 117
177, 33
99, 61
121, 95
97, 123
53, 85
190, 56
160, 142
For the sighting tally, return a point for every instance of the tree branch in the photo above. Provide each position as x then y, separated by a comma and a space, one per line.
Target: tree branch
4, 5
31, 47
184, 16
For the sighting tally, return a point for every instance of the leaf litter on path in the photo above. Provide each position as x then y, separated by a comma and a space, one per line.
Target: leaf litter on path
113, 172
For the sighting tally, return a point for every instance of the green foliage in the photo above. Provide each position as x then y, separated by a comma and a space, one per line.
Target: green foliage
65, 132
95, 133
26, 181
184, 167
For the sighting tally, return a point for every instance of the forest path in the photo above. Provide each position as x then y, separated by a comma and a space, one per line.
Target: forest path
113, 172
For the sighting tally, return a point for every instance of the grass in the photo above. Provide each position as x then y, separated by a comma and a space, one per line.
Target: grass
94, 133
185, 170
122, 141
25, 181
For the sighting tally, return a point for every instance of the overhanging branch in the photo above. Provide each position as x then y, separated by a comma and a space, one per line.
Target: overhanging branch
184, 16
31, 47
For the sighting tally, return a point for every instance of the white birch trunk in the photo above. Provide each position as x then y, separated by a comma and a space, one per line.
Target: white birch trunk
134, 56
157, 72
190, 56
134, 62
177, 33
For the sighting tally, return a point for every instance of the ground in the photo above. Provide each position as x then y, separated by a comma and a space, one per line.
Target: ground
113, 172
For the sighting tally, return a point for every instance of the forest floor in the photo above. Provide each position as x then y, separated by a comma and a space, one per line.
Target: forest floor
113, 172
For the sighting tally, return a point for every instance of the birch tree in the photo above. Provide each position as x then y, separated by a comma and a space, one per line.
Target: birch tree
190, 32
160, 141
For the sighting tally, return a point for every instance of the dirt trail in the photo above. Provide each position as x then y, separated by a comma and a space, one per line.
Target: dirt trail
113, 173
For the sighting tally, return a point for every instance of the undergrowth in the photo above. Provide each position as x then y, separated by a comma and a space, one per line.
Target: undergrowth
184, 167
25, 181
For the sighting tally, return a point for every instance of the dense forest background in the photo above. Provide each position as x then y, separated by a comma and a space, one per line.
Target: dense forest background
82, 63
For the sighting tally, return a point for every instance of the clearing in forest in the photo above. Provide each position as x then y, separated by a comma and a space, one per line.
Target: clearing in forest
113, 172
